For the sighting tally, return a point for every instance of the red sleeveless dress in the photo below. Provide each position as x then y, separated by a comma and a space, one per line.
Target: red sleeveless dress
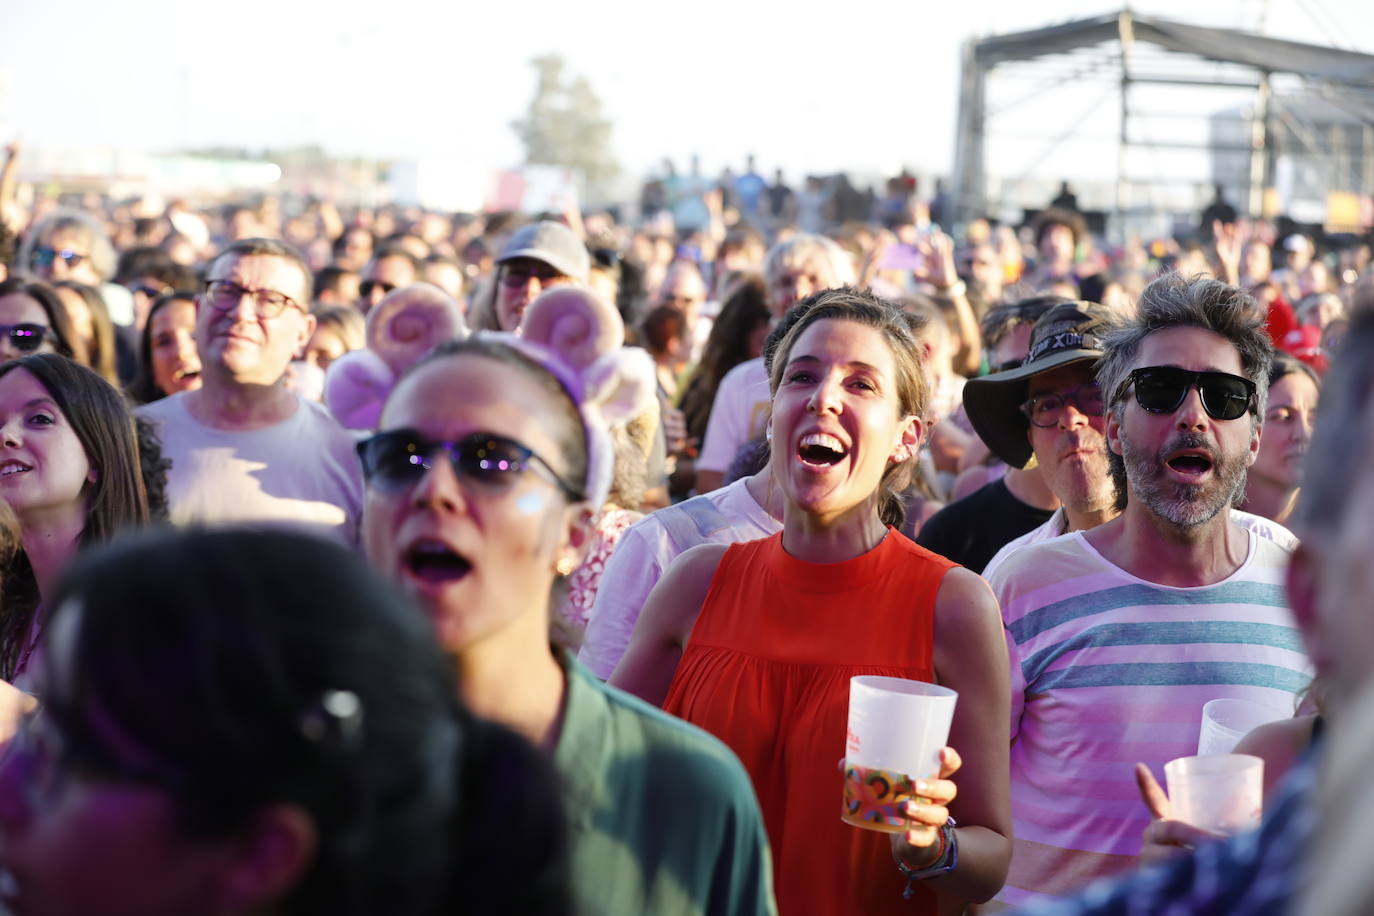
767, 671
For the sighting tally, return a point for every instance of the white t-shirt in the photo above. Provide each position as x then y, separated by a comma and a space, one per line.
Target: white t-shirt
729, 515
1058, 524
738, 414
303, 471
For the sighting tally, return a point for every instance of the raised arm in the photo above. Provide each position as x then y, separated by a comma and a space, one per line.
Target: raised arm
665, 624
971, 658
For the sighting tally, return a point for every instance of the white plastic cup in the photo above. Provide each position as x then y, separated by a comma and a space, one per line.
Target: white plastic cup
1220, 792
896, 730
1225, 721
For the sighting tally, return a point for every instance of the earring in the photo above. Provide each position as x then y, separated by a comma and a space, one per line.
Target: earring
566, 565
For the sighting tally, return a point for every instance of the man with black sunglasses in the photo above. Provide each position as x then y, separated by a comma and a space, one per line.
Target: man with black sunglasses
1119, 634
243, 447
392, 267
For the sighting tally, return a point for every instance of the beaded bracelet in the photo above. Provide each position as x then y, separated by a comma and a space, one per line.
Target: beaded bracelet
944, 863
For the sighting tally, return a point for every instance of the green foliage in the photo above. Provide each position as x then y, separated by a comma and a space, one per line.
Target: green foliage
565, 126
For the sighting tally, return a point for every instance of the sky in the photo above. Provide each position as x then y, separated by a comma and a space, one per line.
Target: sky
864, 85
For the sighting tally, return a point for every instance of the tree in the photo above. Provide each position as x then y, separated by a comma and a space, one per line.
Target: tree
565, 126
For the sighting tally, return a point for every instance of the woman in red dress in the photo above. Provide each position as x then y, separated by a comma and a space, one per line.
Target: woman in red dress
756, 642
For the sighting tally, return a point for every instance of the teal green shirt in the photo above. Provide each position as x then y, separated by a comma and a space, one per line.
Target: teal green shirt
662, 817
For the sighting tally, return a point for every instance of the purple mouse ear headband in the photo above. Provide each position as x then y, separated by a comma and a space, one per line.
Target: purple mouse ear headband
401, 330
579, 340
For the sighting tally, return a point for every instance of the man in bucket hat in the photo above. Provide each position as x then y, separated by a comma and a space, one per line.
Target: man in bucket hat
971, 530
1050, 408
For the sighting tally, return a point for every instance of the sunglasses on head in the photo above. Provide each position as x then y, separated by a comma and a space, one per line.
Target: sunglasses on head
24, 337
1161, 389
397, 459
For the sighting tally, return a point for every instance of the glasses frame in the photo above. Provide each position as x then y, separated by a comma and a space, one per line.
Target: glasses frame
265, 309
457, 451
1066, 397
1188, 379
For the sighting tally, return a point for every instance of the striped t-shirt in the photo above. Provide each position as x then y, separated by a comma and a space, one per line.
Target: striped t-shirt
1107, 670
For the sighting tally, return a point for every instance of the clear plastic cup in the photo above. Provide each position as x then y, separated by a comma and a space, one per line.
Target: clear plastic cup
1220, 792
1225, 721
896, 730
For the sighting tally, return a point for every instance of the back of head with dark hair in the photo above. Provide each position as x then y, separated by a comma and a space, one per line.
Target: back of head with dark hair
223, 655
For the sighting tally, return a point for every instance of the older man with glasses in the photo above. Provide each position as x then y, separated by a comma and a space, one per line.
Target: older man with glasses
1120, 633
243, 447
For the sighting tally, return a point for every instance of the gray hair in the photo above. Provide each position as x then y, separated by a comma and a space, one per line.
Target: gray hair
91, 233
1341, 437
1173, 301
804, 247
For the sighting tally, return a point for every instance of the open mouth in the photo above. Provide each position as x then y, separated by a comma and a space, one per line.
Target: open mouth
433, 562
10, 468
186, 375
1190, 464
820, 450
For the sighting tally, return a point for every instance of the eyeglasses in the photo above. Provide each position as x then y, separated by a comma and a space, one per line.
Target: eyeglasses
1046, 410
224, 295
1161, 389
44, 256
398, 459
367, 286
516, 277
26, 338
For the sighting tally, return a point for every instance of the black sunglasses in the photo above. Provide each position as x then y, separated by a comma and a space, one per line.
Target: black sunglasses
367, 286
1161, 389
25, 338
397, 459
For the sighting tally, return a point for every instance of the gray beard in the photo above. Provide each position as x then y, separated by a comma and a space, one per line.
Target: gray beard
1184, 505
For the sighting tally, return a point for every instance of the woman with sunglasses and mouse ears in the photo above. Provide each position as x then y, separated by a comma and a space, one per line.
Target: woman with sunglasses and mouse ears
481, 486
33, 320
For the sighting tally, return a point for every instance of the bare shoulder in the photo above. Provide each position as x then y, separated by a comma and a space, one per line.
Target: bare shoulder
697, 561
676, 600
1284, 739
965, 596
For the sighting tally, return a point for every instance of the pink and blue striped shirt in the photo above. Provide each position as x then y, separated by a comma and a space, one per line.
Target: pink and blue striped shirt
1109, 669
